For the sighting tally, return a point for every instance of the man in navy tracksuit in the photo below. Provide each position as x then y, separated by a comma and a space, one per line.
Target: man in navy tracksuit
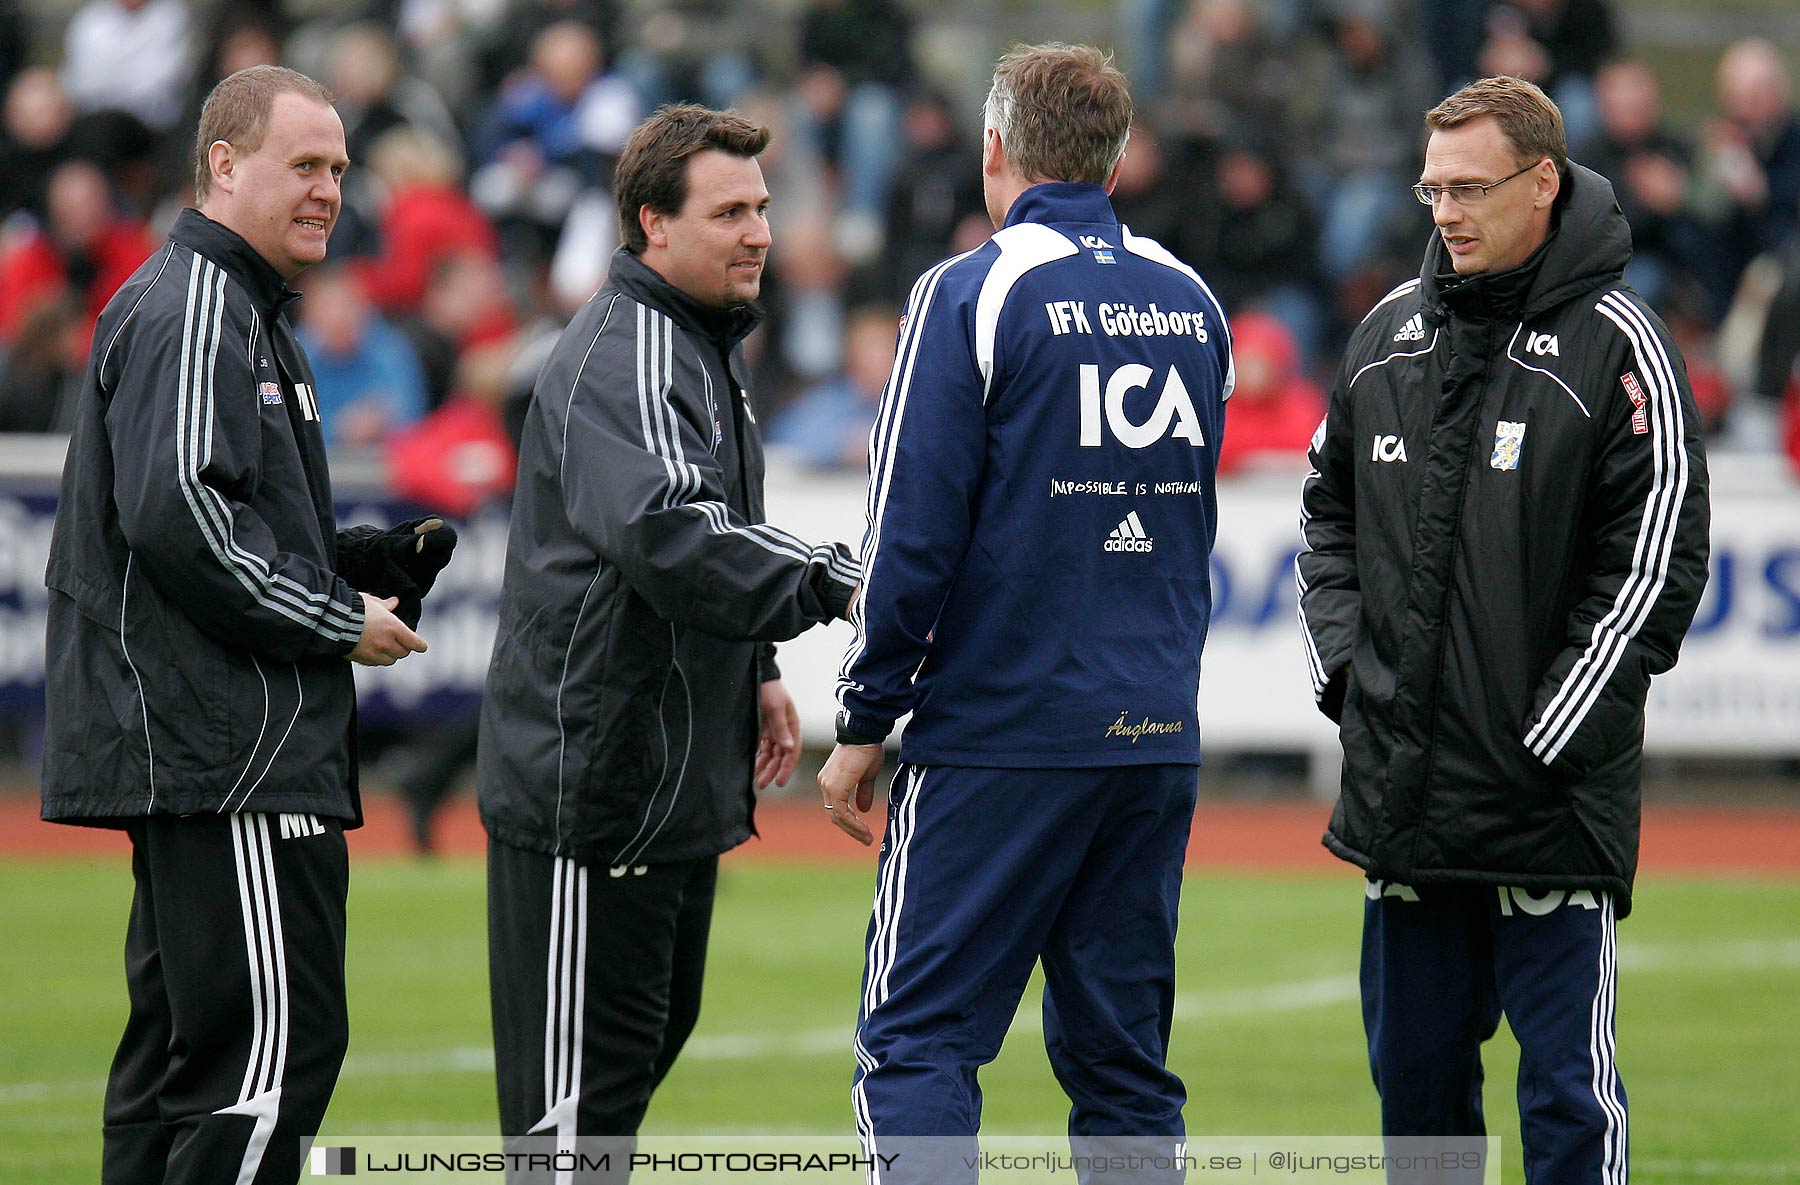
1041, 508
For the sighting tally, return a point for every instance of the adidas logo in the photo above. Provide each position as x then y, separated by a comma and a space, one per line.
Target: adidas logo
1129, 536
1413, 330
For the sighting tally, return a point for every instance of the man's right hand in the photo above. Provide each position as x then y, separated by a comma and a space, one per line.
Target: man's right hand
848, 778
385, 638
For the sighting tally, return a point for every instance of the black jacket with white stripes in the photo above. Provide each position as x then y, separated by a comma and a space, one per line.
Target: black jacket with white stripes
197, 628
1505, 537
642, 588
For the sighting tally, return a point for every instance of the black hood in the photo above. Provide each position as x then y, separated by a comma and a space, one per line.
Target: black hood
1588, 247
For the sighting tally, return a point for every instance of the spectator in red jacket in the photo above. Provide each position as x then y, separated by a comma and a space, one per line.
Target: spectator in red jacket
86, 249
1274, 409
428, 219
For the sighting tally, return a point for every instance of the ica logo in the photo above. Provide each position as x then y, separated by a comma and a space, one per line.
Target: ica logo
1389, 448
1173, 407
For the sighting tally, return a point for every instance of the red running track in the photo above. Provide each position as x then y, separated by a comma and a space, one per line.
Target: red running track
1266, 836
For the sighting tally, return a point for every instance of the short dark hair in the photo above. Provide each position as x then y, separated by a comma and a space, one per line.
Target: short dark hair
1528, 119
652, 170
1063, 112
237, 112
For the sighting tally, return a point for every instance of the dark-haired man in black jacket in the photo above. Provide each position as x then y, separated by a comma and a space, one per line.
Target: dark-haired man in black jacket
1506, 537
202, 604
633, 696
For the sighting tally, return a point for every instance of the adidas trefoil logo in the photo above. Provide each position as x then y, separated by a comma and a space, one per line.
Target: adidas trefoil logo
1413, 330
1129, 536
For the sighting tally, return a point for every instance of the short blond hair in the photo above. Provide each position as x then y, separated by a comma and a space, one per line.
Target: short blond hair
1531, 123
1063, 112
237, 112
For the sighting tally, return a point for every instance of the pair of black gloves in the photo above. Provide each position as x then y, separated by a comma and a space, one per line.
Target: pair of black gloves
401, 561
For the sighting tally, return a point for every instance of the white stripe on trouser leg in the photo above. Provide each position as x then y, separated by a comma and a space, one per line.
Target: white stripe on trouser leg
1612, 938
578, 1006
279, 1074
550, 993
261, 985
890, 897
859, 1104
1621, 1135
904, 857
260, 1096
565, 986
1601, 1050
1614, 1086
1606, 1072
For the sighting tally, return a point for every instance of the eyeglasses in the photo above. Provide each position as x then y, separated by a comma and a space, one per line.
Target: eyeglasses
1470, 194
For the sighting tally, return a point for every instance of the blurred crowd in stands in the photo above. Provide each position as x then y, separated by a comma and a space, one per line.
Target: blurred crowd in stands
1274, 149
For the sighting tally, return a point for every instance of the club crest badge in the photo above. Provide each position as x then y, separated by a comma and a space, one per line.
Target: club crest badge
1509, 439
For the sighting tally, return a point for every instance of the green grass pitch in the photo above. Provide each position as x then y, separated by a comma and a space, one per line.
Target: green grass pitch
1267, 1034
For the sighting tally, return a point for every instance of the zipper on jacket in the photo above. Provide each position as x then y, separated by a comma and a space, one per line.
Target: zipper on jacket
1479, 389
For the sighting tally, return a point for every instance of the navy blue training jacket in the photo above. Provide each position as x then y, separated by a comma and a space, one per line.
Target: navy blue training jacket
1041, 501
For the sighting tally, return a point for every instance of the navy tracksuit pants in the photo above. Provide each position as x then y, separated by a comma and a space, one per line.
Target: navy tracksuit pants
1441, 963
983, 873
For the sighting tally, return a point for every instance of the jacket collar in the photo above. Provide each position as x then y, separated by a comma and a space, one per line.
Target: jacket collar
1062, 201
644, 284
240, 260
1588, 247
1499, 295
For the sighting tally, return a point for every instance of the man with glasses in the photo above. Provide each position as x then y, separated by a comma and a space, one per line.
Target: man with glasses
1505, 538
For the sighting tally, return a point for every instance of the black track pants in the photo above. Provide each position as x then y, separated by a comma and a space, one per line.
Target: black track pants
596, 985
234, 961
